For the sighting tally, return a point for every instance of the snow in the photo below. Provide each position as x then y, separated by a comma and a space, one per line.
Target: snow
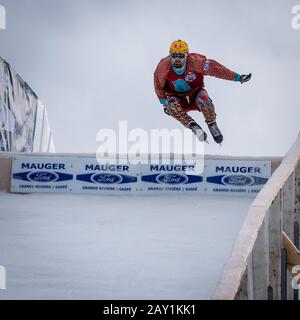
105, 247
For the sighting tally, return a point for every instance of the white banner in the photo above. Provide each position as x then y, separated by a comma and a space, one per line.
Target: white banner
87, 175
94, 177
236, 177
171, 178
41, 174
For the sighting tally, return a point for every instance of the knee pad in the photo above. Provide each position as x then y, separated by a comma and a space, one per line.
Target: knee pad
205, 101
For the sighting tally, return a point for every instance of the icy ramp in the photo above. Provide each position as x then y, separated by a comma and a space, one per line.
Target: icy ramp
102, 247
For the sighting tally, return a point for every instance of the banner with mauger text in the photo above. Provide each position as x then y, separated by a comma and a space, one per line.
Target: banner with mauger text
236, 177
88, 176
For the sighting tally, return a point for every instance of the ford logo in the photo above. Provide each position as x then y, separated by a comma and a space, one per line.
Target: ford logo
104, 178
172, 178
238, 180
43, 176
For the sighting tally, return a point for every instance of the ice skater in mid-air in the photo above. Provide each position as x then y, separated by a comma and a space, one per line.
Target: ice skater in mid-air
179, 85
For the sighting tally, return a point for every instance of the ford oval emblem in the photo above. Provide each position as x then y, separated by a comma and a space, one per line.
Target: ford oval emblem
104, 178
238, 180
43, 176
172, 178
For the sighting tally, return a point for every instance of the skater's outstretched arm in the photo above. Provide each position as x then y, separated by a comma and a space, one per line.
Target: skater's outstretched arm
210, 67
215, 69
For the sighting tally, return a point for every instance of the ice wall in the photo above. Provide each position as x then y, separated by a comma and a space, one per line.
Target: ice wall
24, 125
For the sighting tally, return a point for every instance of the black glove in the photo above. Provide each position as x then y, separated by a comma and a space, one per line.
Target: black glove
167, 111
245, 78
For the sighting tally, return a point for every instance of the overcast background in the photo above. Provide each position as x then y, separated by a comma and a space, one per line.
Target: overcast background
92, 63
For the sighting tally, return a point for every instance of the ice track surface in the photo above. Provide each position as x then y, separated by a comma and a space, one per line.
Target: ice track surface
108, 247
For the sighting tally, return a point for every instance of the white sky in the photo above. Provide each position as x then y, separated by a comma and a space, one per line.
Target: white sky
92, 63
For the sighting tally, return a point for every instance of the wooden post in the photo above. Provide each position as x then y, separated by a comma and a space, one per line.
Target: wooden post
5, 172
289, 206
289, 222
297, 216
260, 264
242, 293
297, 206
284, 276
275, 243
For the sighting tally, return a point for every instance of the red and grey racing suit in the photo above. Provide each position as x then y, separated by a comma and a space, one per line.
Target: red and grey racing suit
181, 93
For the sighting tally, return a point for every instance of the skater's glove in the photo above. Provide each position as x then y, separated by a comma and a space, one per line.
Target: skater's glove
166, 111
169, 105
163, 101
244, 77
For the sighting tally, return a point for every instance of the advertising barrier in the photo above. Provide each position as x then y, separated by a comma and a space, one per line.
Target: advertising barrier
239, 177
87, 175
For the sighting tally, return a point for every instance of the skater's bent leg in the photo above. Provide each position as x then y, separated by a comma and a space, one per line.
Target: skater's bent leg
175, 110
206, 106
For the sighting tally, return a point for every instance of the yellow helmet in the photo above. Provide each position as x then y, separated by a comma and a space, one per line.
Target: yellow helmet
179, 46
